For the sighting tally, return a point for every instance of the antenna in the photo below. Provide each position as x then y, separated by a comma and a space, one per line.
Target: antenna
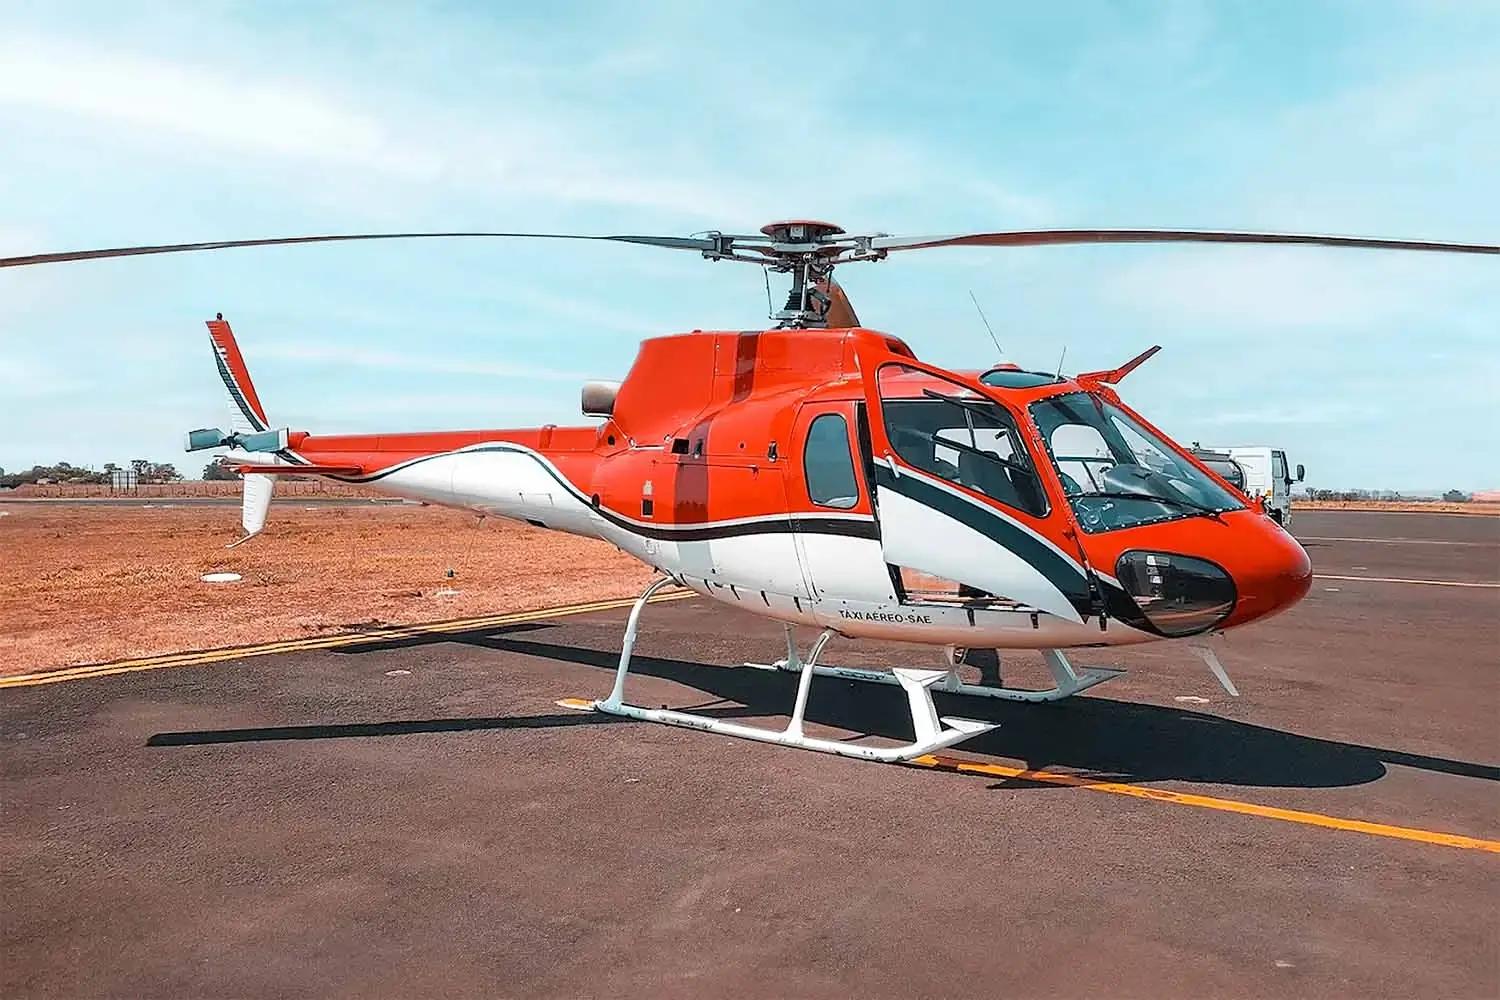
986, 323
1060, 360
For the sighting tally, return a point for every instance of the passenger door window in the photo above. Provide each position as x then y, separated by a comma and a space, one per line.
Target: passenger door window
827, 463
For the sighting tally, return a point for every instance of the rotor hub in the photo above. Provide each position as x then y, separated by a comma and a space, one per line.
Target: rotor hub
800, 231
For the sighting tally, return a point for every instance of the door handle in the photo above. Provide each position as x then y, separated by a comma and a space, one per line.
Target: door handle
890, 462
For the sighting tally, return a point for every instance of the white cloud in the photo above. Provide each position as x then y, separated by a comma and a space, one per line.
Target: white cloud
508, 404
17, 240
405, 361
1293, 413
164, 104
28, 379
528, 147
199, 103
1272, 288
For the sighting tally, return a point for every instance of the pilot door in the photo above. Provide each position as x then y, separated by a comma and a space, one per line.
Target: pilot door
963, 514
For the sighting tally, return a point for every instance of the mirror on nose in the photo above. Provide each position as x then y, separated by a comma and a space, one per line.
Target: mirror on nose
1300, 472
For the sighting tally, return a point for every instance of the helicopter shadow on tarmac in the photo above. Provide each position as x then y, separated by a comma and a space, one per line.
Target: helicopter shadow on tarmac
1096, 737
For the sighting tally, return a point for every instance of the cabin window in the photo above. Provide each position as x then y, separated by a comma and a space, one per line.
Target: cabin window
950, 431
827, 463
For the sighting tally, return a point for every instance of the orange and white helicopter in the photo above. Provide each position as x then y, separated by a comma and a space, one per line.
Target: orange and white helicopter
820, 474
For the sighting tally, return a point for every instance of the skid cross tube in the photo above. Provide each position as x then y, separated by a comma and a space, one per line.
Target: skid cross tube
1067, 679
931, 732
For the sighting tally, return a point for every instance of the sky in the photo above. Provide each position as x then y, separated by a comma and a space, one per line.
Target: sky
124, 123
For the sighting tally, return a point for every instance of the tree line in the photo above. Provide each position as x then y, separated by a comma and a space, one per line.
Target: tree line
1452, 496
144, 471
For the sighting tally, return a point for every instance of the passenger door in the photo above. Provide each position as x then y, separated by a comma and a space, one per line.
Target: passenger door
833, 517
958, 496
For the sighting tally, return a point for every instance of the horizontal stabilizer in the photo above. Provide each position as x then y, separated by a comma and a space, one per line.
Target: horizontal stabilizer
257, 501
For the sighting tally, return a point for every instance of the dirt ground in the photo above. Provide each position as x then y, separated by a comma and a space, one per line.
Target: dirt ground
81, 584
418, 816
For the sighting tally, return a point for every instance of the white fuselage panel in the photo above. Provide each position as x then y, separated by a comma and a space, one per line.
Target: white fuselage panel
835, 580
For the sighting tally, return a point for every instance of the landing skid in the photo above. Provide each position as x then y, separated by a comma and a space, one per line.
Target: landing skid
1067, 679
931, 732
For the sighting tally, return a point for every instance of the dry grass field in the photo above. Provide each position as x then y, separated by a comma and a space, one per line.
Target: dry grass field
1480, 508
81, 584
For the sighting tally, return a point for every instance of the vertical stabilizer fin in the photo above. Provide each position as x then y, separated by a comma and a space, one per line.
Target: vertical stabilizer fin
257, 501
246, 410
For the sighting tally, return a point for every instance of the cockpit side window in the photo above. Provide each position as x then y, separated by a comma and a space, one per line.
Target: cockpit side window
954, 433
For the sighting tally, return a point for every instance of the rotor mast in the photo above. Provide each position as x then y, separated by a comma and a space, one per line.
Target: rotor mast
807, 250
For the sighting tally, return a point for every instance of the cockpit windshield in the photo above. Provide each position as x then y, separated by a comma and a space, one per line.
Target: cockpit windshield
1115, 472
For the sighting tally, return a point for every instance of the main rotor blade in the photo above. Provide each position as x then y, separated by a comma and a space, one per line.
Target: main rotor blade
670, 242
1049, 237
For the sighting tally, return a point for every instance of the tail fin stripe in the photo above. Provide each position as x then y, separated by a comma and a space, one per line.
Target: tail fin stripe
236, 378
234, 390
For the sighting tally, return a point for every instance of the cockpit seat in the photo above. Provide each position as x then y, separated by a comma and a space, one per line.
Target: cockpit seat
988, 477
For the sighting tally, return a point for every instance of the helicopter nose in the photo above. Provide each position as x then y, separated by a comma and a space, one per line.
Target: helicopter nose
1214, 574
1271, 572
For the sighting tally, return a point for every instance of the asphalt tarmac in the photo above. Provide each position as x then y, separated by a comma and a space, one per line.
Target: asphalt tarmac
416, 815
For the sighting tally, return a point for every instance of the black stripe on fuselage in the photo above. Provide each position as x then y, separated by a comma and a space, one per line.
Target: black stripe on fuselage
775, 524
772, 524
1064, 574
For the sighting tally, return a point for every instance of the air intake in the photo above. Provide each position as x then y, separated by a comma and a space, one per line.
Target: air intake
599, 398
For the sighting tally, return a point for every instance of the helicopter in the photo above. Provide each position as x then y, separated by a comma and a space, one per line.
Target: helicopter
818, 473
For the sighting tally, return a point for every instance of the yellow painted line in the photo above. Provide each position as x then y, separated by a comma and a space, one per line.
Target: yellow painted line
1210, 802
1424, 583
201, 657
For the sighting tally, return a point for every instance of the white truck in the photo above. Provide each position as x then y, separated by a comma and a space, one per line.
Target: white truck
1259, 471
